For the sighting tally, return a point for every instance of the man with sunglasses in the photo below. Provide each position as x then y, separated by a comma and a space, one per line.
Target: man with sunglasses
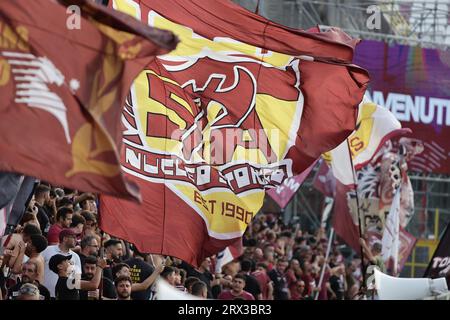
89, 247
299, 292
28, 276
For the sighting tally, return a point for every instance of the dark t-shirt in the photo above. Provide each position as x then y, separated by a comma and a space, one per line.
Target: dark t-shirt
62, 292
84, 295
337, 285
216, 290
108, 290
82, 259
206, 276
13, 292
140, 270
107, 273
43, 219
49, 212
252, 286
280, 289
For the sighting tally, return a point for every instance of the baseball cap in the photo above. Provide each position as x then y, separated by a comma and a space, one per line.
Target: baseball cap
56, 260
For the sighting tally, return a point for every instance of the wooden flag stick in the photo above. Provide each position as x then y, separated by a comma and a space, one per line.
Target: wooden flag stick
363, 265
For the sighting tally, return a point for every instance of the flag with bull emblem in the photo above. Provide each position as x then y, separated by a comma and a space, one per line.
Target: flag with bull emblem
63, 89
364, 157
240, 105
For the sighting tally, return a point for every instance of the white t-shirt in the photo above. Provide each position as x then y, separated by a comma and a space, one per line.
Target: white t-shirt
51, 278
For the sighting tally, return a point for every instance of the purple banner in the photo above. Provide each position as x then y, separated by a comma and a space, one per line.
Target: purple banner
413, 83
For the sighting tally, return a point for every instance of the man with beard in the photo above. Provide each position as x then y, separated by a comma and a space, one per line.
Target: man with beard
114, 250
237, 291
42, 197
67, 242
123, 288
114, 253
89, 269
63, 221
123, 270
29, 275
278, 277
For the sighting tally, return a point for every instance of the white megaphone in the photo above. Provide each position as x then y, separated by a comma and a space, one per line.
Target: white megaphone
164, 291
391, 288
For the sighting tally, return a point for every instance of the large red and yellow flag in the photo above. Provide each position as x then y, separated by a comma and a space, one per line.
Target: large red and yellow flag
64, 76
240, 105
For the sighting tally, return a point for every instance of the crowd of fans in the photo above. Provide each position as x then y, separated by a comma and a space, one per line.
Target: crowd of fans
59, 237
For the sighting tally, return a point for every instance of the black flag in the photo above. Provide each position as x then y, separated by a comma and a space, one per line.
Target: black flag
440, 263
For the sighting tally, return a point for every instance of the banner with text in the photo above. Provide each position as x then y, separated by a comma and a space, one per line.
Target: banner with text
414, 84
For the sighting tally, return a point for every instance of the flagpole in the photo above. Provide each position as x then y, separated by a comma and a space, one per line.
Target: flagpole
363, 265
101, 252
397, 192
390, 239
398, 234
257, 7
322, 273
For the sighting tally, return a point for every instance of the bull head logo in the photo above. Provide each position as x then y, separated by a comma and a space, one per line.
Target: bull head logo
227, 100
